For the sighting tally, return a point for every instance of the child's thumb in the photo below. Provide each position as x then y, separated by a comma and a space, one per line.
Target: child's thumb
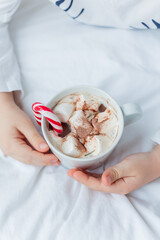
34, 138
112, 174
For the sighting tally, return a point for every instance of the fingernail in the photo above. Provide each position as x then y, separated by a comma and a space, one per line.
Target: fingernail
109, 180
43, 145
75, 176
69, 174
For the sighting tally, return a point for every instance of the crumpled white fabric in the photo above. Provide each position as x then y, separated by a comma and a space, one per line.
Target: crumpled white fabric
156, 137
141, 14
56, 52
9, 68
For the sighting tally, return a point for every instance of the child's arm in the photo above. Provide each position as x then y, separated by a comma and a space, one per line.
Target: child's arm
9, 69
16, 129
133, 172
15, 126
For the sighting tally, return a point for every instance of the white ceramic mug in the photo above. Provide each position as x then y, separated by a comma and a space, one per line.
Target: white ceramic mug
127, 114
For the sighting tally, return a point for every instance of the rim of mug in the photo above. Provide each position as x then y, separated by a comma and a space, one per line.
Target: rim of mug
76, 90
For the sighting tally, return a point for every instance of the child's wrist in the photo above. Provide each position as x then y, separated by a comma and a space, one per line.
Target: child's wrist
6, 99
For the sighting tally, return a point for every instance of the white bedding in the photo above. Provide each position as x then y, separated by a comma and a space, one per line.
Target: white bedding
55, 52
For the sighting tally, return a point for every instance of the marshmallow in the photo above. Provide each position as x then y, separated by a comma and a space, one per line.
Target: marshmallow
92, 102
76, 119
106, 123
64, 111
93, 145
65, 107
87, 101
97, 144
72, 147
80, 123
103, 115
72, 98
55, 140
110, 126
80, 102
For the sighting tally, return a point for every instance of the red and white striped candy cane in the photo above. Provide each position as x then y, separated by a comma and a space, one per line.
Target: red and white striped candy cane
39, 109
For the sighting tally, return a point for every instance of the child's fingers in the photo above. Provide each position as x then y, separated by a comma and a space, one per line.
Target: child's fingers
33, 136
86, 178
95, 183
114, 173
26, 154
72, 171
119, 187
89, 181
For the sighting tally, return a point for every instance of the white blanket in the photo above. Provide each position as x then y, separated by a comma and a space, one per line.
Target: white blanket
139, 14
55, 52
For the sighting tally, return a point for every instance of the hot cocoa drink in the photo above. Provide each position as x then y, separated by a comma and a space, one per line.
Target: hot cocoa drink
90, 125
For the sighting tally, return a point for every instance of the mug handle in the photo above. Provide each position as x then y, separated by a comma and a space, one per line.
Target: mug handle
131, 112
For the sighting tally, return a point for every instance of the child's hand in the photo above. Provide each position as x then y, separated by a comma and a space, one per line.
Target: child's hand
16, 129
133, 172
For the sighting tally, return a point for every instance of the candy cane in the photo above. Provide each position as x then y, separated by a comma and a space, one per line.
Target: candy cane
39, 109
